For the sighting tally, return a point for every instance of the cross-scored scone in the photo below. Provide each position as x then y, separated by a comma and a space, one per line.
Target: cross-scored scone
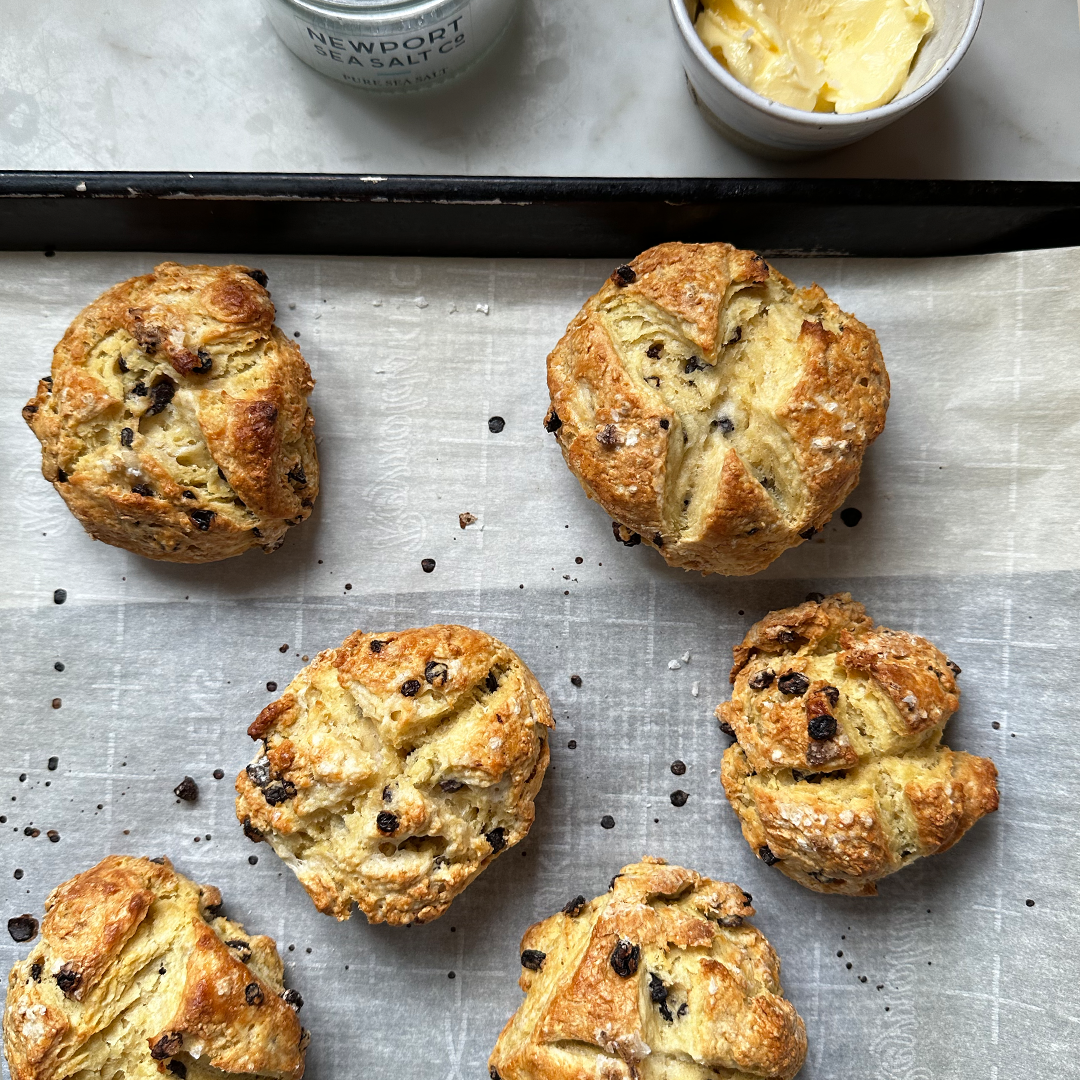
838, 774
397, 767
175, 422
137, 976
713, 410
659, 979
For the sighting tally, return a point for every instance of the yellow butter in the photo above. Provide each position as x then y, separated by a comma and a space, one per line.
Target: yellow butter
820, 55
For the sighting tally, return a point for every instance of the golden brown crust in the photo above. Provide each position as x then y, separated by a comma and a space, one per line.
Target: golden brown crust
661, 977
175, 422
716, 412
838, 774
396, 767
134, 971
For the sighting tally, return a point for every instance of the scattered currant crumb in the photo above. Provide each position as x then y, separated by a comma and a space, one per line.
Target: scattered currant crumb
678, 798
451, 975
271, 686
253, 859
851, 517
284, 648
56, 703
427, 565
219, 774
52, 764
678, 767
572, 744
496, 424
575, 679
187, 790
607, 822
1030, 903
348, 586
466, 519
59, 596
58, 666
995, 725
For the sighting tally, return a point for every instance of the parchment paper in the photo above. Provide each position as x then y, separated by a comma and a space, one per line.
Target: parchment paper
969, 536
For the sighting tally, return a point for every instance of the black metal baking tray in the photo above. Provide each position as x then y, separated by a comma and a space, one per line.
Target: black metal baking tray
512, 216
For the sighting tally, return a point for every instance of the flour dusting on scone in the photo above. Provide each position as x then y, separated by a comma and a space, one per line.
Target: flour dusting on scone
397, 767
661, 977
716, 412
838, 773
175, 420
137, 975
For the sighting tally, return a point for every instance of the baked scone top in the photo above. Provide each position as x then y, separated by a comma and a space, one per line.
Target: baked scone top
396, 767
661, 977
136, 974
838, 774
175, 422
715, 411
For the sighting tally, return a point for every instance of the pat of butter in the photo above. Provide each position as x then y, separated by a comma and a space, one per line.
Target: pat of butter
820, 55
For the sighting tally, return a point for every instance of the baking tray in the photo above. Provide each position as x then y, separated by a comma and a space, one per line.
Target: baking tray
968, 536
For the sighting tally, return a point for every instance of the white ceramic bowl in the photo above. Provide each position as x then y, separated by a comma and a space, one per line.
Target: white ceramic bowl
767, 128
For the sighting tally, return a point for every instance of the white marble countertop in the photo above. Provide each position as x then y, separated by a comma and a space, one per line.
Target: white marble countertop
577, 88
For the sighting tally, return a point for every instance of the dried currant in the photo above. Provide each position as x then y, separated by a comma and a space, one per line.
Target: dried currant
625, 958
574, 907
436, 672
793, 683
533, 959
761, 680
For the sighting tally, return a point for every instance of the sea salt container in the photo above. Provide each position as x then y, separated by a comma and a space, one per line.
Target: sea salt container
390, 45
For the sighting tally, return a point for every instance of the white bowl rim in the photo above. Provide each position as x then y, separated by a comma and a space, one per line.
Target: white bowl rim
755, 100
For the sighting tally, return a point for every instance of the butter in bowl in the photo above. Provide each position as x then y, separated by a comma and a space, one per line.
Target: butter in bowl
791, 77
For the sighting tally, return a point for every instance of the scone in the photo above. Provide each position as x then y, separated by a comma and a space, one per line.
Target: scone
838, 774
715, 411
175, 422
659, 979
137, 976
396, 767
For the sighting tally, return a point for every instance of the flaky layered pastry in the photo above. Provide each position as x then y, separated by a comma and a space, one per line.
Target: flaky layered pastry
838, 773
137, 976
175, 421
661, 978
397, 767
715, 411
